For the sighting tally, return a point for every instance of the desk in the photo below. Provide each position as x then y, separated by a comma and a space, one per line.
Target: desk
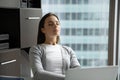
10, 78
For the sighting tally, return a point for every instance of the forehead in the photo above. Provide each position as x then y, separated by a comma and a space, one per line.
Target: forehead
51, 19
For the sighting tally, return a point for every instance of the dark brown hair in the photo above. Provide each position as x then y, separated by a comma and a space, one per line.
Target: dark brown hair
41, 35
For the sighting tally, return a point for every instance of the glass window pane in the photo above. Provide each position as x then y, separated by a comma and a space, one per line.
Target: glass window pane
79, 31
79, 16
85, 21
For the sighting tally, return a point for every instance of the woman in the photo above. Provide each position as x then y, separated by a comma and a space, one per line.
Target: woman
49, 60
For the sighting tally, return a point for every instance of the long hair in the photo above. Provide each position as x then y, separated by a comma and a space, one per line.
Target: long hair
41, 35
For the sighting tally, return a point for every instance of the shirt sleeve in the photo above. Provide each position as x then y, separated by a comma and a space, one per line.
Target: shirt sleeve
73, 59
35, 55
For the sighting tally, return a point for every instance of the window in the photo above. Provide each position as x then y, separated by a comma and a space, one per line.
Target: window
87, 22
79, 31
86, 2
74, 1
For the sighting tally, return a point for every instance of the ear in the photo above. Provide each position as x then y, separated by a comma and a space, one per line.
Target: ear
42, 30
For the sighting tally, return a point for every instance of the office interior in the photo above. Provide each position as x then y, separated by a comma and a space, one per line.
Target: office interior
18, 32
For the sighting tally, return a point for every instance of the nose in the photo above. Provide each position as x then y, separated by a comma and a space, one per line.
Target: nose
55, 25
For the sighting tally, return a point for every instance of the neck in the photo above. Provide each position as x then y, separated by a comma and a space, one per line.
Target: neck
51, 41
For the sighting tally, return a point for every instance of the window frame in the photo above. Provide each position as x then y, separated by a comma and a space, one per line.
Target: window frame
112, 34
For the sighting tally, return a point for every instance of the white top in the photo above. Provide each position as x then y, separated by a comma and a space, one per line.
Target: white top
53, 57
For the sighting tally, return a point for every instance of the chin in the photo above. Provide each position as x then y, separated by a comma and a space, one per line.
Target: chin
57, 34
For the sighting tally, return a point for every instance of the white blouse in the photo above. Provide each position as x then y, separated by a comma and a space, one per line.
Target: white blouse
53, 58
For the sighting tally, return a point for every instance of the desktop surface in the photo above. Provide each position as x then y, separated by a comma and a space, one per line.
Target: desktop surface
10, 78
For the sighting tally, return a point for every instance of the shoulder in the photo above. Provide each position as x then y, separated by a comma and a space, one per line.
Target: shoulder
36, 49
67, 48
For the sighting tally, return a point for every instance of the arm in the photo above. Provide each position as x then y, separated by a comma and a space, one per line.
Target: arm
73, 59
74, 62
35, 55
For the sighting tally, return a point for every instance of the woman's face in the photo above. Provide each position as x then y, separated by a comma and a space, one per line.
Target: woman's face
51, 27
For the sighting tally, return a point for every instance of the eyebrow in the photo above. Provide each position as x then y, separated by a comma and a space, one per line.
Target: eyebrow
52, 21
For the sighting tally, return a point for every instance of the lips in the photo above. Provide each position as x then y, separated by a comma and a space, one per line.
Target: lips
56, 30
